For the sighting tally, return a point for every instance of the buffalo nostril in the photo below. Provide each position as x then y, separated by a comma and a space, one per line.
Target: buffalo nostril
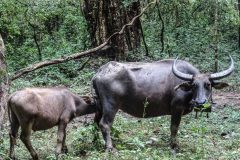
201, 102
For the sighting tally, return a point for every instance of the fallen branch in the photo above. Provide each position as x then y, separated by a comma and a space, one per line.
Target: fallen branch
36, 66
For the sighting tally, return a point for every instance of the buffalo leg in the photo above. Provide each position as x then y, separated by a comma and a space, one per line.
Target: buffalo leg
60, 136
97, 117
64, 146
105, 124
13, 134
175, 121
25, 137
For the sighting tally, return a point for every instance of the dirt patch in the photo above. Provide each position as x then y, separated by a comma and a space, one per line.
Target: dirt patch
82, 121
227, 98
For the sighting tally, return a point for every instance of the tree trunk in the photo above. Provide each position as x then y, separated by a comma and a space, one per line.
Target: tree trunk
216, 38
4, 85
36, 41
104, 17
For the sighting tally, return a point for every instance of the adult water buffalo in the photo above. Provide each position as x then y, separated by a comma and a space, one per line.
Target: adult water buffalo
170, 87
43, 108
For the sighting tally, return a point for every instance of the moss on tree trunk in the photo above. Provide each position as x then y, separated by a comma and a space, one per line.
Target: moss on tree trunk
4, 85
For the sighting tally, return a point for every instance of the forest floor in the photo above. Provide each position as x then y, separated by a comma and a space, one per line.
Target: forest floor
227, 98
216, 137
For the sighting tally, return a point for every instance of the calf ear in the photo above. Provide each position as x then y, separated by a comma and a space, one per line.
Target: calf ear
219, 85
186, 86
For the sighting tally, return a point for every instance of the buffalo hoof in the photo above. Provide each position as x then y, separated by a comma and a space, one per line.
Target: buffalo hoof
111, 150
64, 150
35, 157
13, 158
174, 153
57, 155
175, 148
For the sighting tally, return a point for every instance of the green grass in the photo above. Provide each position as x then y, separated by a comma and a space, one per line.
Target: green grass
216, 137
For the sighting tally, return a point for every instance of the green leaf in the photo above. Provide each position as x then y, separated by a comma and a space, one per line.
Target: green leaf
206, 105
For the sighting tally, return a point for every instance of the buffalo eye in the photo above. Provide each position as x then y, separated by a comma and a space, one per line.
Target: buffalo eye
207, 85
194, 85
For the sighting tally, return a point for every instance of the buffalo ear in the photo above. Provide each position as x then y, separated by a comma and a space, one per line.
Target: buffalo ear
219, 85
186, 86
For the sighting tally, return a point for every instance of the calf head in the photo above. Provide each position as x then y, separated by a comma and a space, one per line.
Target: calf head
88, 99
201, 84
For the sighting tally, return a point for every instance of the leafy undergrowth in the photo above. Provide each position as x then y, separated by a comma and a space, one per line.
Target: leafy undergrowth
216, 137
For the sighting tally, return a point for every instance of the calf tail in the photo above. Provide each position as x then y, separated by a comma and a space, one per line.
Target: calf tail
9, 110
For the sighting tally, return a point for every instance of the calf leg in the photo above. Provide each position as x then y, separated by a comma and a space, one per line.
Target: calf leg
175, 121
61, 135
106, 122
13, 134
64, 146
25, 137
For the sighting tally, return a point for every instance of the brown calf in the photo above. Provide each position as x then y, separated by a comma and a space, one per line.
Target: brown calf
43, 108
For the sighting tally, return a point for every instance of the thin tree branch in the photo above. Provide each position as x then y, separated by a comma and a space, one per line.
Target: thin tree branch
36, 66
84, 64
216, 36
36, 41
163, 26
144, 42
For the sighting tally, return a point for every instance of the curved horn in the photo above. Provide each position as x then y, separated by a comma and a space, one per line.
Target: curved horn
225, 73
177, 73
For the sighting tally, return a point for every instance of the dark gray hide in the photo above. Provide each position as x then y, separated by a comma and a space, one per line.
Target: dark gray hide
167, 89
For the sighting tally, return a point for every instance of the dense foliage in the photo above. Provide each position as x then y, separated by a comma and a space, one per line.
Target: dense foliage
195, 30
40, 30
